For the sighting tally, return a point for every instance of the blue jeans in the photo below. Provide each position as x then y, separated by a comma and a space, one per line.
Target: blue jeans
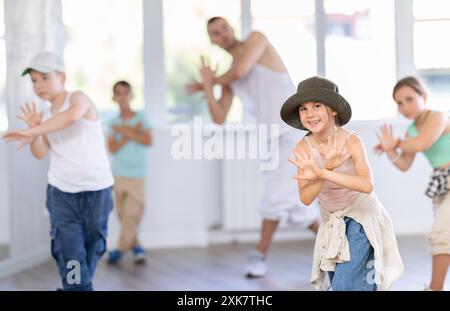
78, 233
357, 274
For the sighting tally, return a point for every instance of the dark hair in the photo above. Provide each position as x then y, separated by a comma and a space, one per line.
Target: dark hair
411, 82
213, 19
122, 83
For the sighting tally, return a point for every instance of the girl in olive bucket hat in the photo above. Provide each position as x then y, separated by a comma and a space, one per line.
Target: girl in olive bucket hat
356, 248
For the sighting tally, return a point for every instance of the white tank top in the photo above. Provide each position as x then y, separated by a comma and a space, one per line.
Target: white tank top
78, 158
264, 91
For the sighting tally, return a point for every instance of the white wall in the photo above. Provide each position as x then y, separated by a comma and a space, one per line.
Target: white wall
4, 205
183, 198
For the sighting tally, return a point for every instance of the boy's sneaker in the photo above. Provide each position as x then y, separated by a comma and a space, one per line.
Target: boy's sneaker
139, 255
114, 256
256, 265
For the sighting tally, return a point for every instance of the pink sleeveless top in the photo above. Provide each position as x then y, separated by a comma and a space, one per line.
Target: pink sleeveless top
333, 197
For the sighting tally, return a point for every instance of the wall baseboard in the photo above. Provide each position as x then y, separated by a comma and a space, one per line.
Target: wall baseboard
219, 236
166, 240
16, 264
226, 237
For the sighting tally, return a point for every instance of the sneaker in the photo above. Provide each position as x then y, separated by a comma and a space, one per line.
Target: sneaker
139, 255
114, 256
256, 265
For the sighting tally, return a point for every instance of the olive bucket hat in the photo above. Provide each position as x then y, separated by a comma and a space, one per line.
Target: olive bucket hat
320, 90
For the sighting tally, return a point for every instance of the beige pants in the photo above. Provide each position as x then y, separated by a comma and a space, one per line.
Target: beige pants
439, 237
129, 199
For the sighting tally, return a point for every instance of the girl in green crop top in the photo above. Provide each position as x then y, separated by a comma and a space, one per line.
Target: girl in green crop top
430, 134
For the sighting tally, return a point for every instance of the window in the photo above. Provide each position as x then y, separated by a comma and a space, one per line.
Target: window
359, 48
360, 54
432, 50
289, 26
3, 114
185, 40
104, 45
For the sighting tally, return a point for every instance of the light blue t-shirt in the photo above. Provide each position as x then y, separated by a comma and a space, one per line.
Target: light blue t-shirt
131, 160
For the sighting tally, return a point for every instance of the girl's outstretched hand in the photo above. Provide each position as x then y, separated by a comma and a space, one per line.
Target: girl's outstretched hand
308, 167
334, 155
387, 142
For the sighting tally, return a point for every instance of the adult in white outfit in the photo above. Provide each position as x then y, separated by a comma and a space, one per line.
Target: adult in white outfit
261, 81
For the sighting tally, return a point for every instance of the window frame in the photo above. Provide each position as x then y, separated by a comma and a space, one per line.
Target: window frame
154, 79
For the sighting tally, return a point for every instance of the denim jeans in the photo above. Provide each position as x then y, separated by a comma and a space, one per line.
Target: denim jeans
357, 274
78, 233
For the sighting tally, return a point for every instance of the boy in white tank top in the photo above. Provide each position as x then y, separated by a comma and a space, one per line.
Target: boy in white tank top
80, 182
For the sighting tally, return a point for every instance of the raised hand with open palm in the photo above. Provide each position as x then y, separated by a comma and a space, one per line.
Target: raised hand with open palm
30, 115
334, 155
386, 140
308, 169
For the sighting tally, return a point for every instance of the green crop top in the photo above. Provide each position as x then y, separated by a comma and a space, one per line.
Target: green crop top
439, 153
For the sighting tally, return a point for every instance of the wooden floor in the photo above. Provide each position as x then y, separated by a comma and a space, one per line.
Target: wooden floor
218, 268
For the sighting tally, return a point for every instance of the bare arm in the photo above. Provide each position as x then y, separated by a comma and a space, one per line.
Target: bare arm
433, 128
79, 106
39, 147
114, 145
387, 143
143, 137
402, 161
219, 108
135, 133
308, 189
253, 49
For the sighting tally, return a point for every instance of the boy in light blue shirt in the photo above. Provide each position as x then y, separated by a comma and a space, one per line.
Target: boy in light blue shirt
128, 141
